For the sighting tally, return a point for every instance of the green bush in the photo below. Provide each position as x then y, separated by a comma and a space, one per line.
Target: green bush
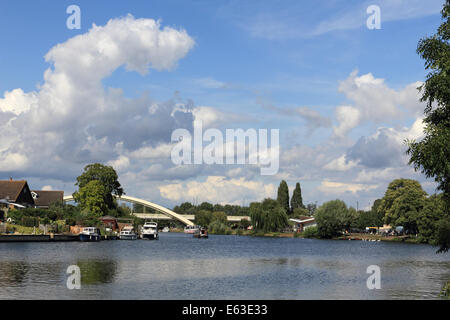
217, 227
311, 232
29, 221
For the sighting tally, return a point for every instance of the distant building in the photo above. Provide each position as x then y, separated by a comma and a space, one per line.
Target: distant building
15, 194
303, 223
43, 198
110, 222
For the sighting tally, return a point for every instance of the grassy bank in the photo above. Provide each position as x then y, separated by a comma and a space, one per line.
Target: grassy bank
22, 230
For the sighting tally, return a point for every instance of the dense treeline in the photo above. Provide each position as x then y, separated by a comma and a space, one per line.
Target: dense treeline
404, 204
70, 214
229, 210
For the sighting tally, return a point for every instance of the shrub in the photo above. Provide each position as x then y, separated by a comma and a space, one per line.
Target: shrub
217, 227
311, 232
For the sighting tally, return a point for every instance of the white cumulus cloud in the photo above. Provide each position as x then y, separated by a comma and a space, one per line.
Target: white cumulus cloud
72, 119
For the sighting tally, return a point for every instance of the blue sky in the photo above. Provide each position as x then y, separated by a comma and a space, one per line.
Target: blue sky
251, 63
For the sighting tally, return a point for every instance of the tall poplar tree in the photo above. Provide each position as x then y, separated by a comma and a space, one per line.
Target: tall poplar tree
297, 200
283, 196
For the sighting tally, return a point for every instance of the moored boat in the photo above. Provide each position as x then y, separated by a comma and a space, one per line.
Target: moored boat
150, 231
191, 229
90, 234
127, 234
201, 233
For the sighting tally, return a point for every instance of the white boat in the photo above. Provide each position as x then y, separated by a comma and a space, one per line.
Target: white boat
90, 234
149, 230
191, 229
165, 229
127, 233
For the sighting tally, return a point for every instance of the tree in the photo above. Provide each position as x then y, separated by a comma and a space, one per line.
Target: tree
91, 198
402, 203
218, 207
283, 196
430, 219
185, 208
371, 218
298, 212
206, 206
220, 216
244, 223
443, 235
106, 176
330, 218
349, 218
311, 207
431, 155
377, 216
268, 216
203, 218
297, 200
138, 208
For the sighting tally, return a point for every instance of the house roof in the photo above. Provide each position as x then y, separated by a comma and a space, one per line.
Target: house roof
304, 220
108, 218
45, 198
11, 189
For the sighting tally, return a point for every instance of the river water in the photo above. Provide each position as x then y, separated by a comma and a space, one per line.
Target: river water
179, 266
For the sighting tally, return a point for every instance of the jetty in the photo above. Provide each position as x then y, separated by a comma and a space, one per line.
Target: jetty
39, 238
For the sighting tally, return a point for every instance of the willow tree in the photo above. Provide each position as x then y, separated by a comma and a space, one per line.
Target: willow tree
431, 155
268, 216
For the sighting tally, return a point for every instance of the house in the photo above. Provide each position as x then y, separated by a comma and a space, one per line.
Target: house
15, 194
303, 223
110, 222
43, 198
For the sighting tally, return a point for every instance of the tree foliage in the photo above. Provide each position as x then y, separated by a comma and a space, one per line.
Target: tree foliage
105, 176
371, 218
283, 196
429, 220
268, 216
297, 200
431, 155
92, 198
402, 204
203, 218
331, 218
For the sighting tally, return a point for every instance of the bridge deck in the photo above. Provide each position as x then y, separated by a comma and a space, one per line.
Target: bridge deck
191, 217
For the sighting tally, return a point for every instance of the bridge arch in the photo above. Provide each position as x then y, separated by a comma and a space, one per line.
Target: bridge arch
149, 204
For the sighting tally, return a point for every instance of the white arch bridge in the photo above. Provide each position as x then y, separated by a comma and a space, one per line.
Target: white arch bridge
165, 214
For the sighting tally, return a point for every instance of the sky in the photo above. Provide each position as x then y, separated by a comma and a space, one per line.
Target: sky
344, 97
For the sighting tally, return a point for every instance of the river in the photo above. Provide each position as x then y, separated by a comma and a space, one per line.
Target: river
179, 266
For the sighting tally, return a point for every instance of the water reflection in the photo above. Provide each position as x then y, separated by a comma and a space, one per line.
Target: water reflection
222, 267
97, 271
13, 272
20, 273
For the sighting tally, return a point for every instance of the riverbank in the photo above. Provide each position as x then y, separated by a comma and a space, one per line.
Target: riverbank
39, 238
350, 236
